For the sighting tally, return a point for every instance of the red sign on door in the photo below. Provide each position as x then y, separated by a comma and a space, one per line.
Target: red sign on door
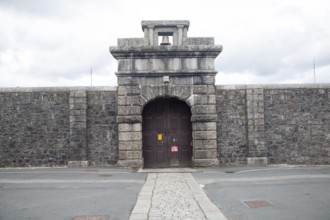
174, 149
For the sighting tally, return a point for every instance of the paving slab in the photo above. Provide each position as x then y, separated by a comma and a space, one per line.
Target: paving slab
174, 196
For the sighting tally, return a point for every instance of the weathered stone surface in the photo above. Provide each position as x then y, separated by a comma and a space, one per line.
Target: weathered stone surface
130, 100
204, 135
130, 145
232, 126
297, 122
127, 81
40, 129
129, 90
130, 163
130, 136
78, 132
281, 123
255, 123
204, 118
130, 127
152, 92
198, 41
204, 89
149, 81
129, 110
257, 161
202, 100
129, 119
205, 144
206, 162
78, 164
34, 128
206, 154
132, 42
183, 92
204, 80
102, 129
205, 126
180, 80
204, 109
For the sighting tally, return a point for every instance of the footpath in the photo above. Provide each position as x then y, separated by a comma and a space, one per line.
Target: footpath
173, 196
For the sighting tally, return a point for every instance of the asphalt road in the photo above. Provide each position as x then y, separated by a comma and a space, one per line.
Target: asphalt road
275, 192
49, 194
288, 192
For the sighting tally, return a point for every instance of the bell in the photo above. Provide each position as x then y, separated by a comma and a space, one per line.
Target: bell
165, 41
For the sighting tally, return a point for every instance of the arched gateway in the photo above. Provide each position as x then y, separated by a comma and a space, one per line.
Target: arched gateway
167, 133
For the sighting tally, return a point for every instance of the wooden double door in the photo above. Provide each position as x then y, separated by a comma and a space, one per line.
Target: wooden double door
167, 134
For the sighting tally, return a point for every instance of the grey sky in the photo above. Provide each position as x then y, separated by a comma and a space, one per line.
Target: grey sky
56, 42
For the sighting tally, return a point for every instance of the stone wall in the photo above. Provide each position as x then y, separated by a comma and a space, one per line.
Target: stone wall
279, 123
51, 126
232, 126
34, 128
297, 125
102, 132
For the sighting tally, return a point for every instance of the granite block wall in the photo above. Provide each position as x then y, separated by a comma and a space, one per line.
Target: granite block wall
297, 125
279, 123
34, 128
51, 126
102, 132
232, 126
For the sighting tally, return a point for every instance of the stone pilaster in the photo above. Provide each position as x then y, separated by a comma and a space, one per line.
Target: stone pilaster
204, 121
129, 121
78, 119
257, 152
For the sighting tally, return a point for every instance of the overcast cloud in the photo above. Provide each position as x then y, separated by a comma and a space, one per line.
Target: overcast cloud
56, 42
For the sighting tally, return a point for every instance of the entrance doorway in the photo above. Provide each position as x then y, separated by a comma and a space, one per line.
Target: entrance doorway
167, 129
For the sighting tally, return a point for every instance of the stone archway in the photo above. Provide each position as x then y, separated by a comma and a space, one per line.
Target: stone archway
184, 70
167, 133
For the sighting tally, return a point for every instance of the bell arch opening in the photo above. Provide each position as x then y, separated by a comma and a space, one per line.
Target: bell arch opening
167, 134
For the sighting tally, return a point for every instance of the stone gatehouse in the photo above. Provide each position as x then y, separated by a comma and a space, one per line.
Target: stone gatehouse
165, 112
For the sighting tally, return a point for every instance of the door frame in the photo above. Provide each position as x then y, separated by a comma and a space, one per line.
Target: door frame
173, 158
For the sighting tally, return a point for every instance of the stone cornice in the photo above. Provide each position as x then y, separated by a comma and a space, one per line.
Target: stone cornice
145, 52
164, 23
167, 73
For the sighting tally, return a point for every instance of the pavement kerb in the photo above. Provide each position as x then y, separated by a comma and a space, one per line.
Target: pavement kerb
143, 204
210, 210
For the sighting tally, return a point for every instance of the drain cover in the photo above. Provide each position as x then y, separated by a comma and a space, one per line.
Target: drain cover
91, 217
253, 204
